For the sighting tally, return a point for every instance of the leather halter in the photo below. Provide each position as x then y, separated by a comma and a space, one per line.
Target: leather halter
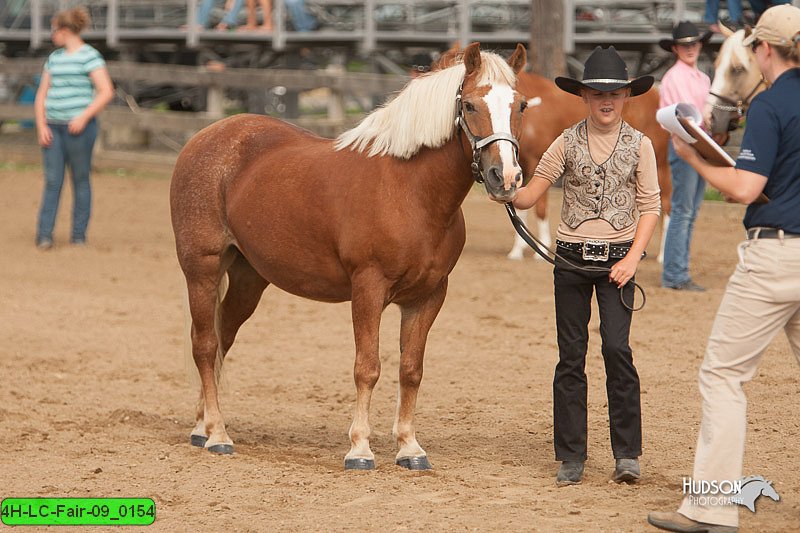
478, 143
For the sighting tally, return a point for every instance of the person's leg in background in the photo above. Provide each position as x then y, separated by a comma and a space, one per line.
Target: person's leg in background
231, 18
54, 159
79, 158
301, 19
685, 187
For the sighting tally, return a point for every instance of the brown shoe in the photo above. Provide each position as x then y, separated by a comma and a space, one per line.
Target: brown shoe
673, 521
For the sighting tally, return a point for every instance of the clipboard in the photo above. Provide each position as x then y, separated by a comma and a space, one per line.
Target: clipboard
684, 121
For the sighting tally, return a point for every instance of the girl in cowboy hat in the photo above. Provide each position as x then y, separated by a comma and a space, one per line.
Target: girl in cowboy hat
683, 83
611, 206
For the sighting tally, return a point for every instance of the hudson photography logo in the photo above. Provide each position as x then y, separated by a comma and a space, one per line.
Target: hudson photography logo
742, 492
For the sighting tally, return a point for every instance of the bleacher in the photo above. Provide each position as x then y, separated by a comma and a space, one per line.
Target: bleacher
364, 25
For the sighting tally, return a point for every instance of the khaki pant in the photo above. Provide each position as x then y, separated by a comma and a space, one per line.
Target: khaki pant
762, 297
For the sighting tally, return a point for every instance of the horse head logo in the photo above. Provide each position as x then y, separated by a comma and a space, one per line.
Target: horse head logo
752, 488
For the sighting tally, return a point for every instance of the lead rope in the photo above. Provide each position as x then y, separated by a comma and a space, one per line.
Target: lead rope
535, 244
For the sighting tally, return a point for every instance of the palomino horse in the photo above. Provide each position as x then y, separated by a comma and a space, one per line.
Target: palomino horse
555, 110
737, 80
373, 217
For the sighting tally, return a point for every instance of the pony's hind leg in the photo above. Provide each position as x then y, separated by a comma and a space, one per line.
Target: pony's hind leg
241, 297
415, 324
368, 301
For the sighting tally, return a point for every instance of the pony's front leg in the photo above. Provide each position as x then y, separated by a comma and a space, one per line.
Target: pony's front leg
368, 297
415, 324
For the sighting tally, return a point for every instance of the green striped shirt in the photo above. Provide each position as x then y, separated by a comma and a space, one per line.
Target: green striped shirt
71, 90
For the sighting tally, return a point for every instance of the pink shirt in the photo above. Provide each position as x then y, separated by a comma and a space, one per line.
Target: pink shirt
683, 83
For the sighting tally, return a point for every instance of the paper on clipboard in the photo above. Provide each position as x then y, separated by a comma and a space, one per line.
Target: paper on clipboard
684, 120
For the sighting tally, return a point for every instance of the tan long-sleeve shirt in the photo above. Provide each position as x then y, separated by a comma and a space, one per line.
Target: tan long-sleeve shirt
602, 141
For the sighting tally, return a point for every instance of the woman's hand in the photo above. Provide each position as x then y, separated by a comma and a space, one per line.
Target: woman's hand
624, 269
685, 150
77, 125
45, 136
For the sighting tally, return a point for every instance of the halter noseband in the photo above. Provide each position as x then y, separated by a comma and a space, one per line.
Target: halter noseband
478, 143
736, 106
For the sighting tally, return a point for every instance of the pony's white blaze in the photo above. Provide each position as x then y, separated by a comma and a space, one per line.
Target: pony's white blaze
499, 100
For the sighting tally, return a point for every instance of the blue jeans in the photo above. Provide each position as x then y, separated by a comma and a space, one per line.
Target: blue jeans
301, 19
74, 151
230, 18
687, 195
712, 11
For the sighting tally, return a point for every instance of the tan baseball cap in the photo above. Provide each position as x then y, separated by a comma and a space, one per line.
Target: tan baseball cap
778, 25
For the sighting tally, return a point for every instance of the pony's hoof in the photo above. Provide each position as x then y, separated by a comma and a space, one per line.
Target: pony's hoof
359, 464
414, 463
198, 440
221, 449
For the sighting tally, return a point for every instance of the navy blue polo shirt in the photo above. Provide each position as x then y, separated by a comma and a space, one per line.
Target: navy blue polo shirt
771, 147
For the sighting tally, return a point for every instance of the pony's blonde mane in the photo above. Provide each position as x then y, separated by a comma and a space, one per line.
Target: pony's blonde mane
422, 114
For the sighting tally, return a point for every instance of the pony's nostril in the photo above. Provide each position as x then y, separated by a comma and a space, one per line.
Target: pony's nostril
518, 179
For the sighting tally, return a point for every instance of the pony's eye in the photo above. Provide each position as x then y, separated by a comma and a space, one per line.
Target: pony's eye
523, 106
469, 107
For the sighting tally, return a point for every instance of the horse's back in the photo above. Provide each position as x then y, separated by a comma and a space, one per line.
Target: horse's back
209, 163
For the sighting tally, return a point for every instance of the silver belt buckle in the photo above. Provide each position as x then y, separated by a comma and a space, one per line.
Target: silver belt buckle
596, 250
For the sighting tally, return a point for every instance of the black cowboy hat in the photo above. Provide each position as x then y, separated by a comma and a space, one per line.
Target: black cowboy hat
605, 71
684, 32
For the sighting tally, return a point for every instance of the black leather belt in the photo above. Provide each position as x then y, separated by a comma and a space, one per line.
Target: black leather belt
770, 233
597, 250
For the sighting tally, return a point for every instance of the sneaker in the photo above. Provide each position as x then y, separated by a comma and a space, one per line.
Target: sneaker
677, 522
570, 473
44, 244
627, 471
689, 286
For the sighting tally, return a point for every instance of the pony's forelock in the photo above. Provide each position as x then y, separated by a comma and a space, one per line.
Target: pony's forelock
423, 113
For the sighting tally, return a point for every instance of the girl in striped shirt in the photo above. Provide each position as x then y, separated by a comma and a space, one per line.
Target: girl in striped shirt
75, 87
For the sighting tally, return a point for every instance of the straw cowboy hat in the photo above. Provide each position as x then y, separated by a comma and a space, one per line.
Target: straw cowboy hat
684, 32
605, 71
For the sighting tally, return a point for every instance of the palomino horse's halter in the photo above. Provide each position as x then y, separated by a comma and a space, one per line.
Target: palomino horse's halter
735, 106
478, 143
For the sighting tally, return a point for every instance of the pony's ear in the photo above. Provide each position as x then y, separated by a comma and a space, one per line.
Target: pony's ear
747, 30
472, 57
724, 30
518, 59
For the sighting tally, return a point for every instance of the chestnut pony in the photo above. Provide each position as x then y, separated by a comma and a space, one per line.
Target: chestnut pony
373, 217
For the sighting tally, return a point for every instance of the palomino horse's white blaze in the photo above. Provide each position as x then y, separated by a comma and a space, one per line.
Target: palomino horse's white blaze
736, 77
499, 101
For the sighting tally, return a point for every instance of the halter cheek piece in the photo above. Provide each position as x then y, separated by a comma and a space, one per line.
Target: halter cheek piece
478, 143
736, 106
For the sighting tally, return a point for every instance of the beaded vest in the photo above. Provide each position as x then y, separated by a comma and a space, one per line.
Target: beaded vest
606, 191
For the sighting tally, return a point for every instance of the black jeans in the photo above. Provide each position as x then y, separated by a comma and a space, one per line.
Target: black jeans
573, 296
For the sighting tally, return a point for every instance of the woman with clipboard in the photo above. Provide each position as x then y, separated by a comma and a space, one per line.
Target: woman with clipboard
763, 294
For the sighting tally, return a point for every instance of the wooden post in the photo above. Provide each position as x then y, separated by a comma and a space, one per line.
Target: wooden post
546, 50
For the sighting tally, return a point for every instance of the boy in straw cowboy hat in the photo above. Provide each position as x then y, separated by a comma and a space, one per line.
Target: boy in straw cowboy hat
683, 82
763, 293
611, 206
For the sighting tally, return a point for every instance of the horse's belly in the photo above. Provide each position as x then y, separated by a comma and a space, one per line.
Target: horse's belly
324, 281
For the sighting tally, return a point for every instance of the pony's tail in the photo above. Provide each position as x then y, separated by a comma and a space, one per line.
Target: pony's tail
191, 368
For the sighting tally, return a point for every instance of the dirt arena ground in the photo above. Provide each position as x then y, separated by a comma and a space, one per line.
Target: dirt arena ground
95, 401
